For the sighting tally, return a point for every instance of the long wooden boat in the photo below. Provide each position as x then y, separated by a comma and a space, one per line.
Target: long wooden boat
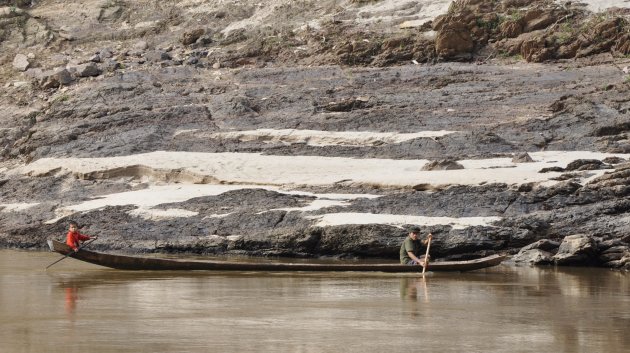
124, 262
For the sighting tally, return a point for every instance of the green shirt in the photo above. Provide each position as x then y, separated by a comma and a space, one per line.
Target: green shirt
415, 246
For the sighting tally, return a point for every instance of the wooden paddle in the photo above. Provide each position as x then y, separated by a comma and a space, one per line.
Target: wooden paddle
72, 252
426, 256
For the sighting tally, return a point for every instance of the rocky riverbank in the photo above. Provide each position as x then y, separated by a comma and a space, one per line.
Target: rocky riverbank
318, 128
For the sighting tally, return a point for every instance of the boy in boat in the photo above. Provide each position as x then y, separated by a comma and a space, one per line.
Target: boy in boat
412, 248
74, 238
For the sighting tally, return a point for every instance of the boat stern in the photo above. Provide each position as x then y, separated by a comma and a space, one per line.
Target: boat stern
50, 244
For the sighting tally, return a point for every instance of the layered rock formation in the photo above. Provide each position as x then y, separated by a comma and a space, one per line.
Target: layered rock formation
318, 128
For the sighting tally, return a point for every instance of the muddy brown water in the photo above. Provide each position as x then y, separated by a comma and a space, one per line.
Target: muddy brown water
77, 307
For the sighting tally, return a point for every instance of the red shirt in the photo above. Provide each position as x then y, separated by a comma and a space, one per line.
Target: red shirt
73, 239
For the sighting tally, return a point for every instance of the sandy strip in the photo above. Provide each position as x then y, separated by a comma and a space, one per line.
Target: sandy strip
155, 195
320, 138
313, 206
335, 219
216, 215
16, 207
267, 172
384, 10
253, 168
600, 5
161, 194
157, 214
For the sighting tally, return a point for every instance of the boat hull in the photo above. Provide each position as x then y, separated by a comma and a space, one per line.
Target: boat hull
124, 262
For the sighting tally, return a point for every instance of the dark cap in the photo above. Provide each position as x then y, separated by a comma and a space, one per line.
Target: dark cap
74, 223
414, 229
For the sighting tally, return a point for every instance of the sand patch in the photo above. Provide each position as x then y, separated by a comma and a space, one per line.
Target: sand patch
156, 195
16, 207
336, 219
314, 206
321, 138
392, 10
601, 5
261, 15
158, 214
383, 11
290, 171
216, 215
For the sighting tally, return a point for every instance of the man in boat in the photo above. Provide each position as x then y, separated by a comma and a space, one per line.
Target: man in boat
74, 238
412, 248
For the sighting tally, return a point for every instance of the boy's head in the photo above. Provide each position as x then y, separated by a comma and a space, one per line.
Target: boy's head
74, 226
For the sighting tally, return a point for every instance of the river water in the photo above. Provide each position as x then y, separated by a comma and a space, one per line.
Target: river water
78, 307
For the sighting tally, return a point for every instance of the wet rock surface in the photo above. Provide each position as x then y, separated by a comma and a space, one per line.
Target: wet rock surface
117, 83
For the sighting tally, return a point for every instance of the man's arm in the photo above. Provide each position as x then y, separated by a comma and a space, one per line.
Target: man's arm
413, 257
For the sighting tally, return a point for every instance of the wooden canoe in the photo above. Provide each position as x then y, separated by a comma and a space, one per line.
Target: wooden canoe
124, 262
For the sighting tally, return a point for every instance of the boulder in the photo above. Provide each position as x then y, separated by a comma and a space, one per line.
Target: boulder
110, 13
192, 60
110, 65
615, 253
87, 70
555, 169
510, 29
536, 19
67, 33
55, 78
533, 257
191, 37
543, 244
58, 60
623, 263
622, 45
20, 62
453, 39
584, 164
106, 53
141, 45
444, 164
567, 51
613, 160
535, 50
157, 55
576, 249
522, 158
601, 38
35, 73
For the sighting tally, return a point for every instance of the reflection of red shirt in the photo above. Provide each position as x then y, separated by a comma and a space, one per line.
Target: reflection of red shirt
73, 238
71, 299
